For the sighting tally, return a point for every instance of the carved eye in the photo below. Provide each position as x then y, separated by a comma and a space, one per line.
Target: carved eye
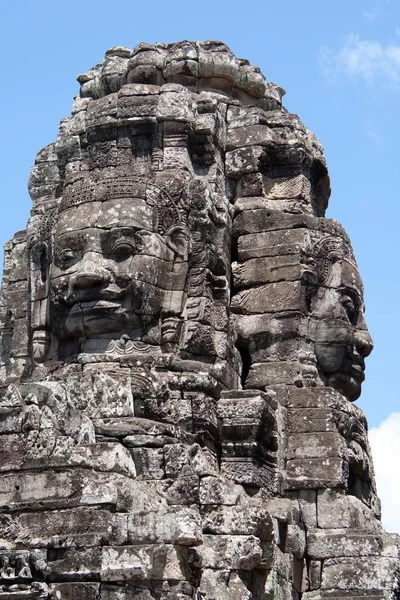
66, 256
351, 306
123, 249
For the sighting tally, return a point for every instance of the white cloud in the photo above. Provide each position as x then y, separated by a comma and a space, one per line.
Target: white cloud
368, 60
373, 133
385, 445
371, 13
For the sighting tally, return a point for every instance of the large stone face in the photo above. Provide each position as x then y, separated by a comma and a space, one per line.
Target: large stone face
182, 336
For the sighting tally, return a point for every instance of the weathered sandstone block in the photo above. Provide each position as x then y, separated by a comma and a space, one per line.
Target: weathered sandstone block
181, 341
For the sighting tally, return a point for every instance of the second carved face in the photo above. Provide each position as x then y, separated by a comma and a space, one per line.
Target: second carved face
342, 340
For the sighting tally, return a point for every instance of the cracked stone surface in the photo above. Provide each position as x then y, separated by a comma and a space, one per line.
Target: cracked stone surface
182, 341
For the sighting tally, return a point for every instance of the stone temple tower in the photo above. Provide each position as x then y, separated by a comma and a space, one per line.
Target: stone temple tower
182, 340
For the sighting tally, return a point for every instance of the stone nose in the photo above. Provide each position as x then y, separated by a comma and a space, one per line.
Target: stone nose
363, 342
90, 272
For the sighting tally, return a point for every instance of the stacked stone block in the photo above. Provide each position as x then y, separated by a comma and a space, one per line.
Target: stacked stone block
181, 340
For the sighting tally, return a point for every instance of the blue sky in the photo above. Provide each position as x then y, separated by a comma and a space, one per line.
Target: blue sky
339, 62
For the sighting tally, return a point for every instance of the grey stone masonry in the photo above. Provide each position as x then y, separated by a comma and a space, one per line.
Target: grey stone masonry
182, 340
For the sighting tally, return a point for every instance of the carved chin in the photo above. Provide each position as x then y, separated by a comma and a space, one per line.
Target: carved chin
82, 323
341, 372
346, 384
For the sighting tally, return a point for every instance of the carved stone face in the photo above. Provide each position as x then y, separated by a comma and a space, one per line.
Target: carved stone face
109, 272
342, 340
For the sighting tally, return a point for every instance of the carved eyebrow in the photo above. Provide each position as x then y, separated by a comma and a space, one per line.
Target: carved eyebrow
108, 237
70, 239
127, 229
351, 289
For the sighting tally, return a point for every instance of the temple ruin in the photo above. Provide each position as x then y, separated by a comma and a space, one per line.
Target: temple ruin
182, 341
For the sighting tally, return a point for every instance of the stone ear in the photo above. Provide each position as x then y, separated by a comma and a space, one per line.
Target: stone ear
309, 281
178, 240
